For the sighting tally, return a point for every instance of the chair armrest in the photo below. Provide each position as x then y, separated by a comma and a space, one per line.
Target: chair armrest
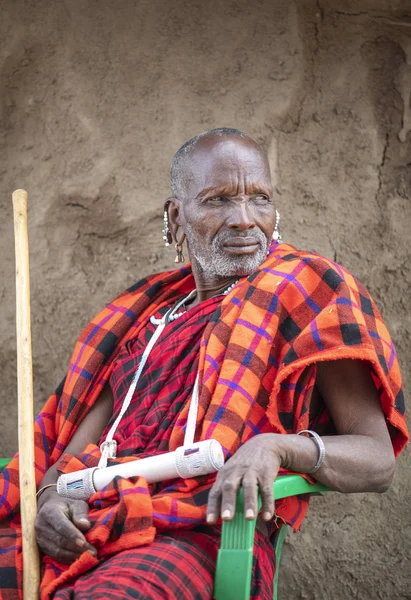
293, 485
235, 556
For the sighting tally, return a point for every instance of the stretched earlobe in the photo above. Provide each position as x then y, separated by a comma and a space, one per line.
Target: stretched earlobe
171, 227
179, 249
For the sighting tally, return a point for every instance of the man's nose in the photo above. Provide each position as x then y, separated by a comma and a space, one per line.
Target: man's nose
241, 217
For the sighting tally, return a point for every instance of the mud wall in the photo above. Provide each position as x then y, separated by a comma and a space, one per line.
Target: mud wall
95, 97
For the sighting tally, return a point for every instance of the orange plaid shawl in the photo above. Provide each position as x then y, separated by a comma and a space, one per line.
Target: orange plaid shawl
262, 342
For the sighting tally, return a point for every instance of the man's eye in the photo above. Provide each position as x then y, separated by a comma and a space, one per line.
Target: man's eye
216, 199
261, 199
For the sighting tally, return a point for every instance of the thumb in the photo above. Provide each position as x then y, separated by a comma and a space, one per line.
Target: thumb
79, 515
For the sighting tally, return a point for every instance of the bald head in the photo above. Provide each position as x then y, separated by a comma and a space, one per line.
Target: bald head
183, 167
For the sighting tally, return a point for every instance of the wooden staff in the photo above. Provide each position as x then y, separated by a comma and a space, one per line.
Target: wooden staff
28, 503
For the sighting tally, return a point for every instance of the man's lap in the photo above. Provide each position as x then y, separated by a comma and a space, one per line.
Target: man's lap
178, 565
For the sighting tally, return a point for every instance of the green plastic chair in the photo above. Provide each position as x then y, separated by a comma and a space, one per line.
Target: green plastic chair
3, 463
234, 561
235, 557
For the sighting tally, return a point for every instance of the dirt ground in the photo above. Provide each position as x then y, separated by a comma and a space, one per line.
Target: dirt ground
95, 98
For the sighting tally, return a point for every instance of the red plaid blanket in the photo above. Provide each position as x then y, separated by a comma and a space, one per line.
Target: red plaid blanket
262, 342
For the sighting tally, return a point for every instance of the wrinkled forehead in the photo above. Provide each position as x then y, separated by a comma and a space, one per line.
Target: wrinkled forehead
227, 162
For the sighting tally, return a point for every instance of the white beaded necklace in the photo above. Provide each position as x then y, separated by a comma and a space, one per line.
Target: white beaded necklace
174, 316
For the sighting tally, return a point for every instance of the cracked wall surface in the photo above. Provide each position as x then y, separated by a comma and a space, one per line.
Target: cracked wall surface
95, 97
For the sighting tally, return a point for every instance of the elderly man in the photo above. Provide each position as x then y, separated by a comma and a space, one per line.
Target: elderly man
272, 341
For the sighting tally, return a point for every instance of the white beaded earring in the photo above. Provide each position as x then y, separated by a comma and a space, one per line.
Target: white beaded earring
166, 232
276, 233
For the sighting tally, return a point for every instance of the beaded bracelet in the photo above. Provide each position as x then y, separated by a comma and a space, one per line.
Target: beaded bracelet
321, 449
41, 490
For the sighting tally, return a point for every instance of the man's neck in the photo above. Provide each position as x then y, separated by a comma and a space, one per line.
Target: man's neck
209, 287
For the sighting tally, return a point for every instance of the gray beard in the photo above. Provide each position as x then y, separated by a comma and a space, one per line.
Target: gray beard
214, 262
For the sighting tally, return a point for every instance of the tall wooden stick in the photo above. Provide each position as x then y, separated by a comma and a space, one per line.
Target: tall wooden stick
28, 504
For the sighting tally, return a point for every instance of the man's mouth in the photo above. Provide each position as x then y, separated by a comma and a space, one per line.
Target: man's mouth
244, 245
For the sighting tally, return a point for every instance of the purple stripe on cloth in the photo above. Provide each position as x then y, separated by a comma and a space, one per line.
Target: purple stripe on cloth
107, 517
187, 520
134, 490
7, 550
85, 457
285, 280
211, 369
340, 270
253, 427
254, 328
121, 309
383, 341
288, 386
392, 356
232, 385
55, 569
88, 376
272, 361
316, 335
273, 247
307, 297
298, 512
262, 422
173, 511
346, 302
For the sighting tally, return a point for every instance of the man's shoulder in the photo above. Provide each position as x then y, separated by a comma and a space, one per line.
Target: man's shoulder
289, 257
303, 265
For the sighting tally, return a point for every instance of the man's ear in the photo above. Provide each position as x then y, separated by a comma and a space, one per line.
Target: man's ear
173, 208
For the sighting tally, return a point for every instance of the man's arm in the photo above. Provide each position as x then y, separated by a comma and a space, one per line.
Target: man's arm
359, 459
61, 521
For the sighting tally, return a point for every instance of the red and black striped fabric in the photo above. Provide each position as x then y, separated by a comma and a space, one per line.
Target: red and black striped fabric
178, 566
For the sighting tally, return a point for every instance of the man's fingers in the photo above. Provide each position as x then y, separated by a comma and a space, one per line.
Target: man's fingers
61, 535
50, 545
249, 485
66, 531
214, 504
222, 498
229, 489
267, 496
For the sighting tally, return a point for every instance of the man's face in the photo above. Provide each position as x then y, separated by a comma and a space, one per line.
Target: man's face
228, 214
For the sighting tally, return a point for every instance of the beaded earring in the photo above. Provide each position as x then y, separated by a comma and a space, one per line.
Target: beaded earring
276, 233
166, 231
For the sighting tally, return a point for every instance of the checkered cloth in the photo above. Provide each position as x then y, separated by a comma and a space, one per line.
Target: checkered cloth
181, 565
257, 366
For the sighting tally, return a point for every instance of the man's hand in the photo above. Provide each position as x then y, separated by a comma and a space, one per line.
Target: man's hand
256, 463
59, 526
